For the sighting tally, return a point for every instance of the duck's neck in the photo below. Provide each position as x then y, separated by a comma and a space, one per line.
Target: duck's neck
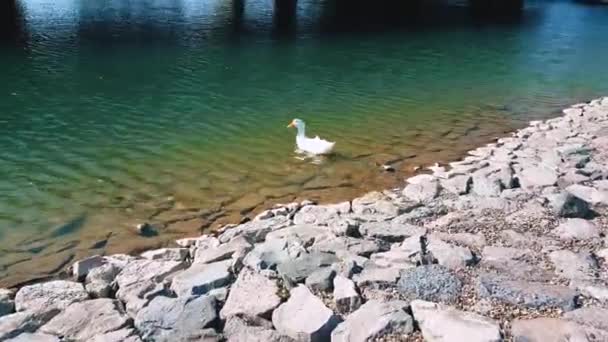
301, 130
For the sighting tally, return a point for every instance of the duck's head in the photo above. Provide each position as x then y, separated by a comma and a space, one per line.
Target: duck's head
297, 123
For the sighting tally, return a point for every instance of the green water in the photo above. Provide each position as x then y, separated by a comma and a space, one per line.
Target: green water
118, 112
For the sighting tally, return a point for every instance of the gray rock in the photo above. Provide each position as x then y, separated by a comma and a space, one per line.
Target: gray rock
199, 279
591, 289
345, 295
76, 323
98, 282
321, 279
375, 206
56, 294
305, 233
171, 254
252, 295
267, 255
237, 329
565, 204
257, 230
377, 277
537, 176
421, 189
430, 282
140, 280
458, 185
175, 319
579, 266
297, 270
345, 227
466, 239
321, 214
524, 293
395, 258
441, 323
589, 194
81, 268
34, 337
348, 267
390, 231
343, 246
485, 185
499, 254
304, 317
547, 329
589, 316
223, 251
374, 320
7, 304
576, 228
122, 335
454, 257
18, 323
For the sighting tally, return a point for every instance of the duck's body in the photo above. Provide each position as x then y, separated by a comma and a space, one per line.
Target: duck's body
315, 146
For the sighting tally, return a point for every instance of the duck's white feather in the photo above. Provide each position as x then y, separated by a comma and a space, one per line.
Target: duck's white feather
314, 146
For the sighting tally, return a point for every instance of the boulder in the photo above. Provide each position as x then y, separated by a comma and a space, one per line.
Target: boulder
56, 294
18, 323
343, 246
171, 254
375, 206
486, 186
76, 321
81, 268
377, 277
321, 214
547, 329
98, 281
576, 228
255, 231
7, 304
237, 329
345, 227
390, 231
321, 279
459, 184
251, 295
574, 266
297, 270
122, 335
304, 317
374, 320
176, 319
442, 323
429, 282
223, 251
395, 258
589, 194
466, 239
564, 204
199, 279
421, 189
589, 316
267, 255
525, 293
537, 176
34, 337
346, 297
497, 254
306, 234
451, 256
591, 289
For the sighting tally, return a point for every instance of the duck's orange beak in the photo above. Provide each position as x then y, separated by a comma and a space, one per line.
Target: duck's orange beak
291, 124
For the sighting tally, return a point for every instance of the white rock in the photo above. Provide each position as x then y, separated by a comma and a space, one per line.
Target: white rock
443, 323
304, 317
458, 185
81, 268
223, 251
547, 329
574, 266
539, 176
84, 320
345, 295
56, 294
576, 228
422, 191
589, 194
251, 295
34, 337
199, 279
237, 329
18, 323
171, 254
374, 320
122, 335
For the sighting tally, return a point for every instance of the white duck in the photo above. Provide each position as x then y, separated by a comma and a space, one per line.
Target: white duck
314, 146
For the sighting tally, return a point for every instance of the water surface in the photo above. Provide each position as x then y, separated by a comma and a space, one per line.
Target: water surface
118, 112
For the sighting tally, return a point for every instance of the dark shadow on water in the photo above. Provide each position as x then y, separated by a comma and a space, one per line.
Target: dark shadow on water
12, 23
69, 227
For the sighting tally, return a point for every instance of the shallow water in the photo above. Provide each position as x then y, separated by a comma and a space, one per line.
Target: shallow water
117, 112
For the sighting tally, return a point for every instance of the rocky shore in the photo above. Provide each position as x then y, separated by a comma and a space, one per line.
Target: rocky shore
507, 244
